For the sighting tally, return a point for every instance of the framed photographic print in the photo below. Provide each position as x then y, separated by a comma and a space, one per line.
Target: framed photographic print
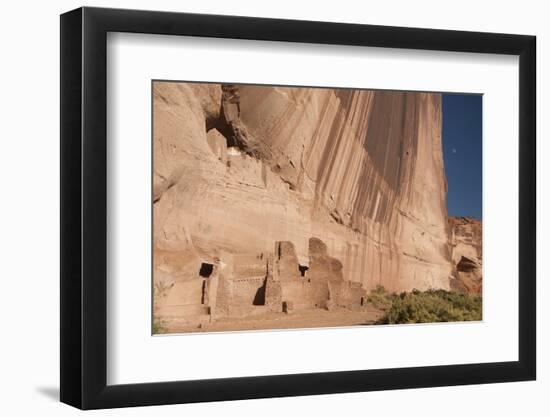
256, 208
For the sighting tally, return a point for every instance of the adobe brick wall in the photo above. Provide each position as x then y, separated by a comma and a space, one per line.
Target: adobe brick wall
273, 294
323, 267
286, 267
247, 291
347, 294
244, 285
305, 293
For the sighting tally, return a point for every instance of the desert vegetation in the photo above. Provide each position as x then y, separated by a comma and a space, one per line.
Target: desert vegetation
160, 290
425, 306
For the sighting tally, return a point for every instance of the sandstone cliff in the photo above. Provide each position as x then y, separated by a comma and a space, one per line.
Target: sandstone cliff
466, 247
237, 168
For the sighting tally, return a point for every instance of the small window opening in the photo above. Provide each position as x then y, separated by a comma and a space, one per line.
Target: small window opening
303, 270
206, 270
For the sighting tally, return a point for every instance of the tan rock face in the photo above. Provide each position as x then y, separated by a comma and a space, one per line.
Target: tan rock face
238, 168
466, 246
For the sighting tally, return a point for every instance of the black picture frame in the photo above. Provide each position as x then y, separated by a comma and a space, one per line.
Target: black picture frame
84, 207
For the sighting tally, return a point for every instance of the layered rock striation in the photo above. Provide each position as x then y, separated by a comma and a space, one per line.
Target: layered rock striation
237, 168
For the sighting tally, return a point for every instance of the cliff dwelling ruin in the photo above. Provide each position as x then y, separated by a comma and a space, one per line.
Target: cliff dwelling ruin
238, 285
279, 201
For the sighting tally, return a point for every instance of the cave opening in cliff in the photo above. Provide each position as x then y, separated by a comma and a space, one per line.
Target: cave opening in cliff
303, 270
466, 265
206, 270
235, 136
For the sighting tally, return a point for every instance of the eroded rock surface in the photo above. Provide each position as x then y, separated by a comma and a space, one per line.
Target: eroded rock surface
238, 168
466, 247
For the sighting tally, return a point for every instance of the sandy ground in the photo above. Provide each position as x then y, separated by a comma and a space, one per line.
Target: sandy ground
296, 320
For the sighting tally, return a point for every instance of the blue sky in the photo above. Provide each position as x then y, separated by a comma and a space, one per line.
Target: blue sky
462, 152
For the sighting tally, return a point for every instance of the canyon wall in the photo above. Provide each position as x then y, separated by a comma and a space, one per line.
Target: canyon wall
466, 248
237, 168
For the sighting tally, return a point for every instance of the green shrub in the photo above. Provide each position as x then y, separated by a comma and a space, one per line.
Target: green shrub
158, 326
432, 306
380, 298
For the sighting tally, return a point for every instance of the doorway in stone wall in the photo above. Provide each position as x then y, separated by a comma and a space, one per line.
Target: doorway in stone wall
206, 270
